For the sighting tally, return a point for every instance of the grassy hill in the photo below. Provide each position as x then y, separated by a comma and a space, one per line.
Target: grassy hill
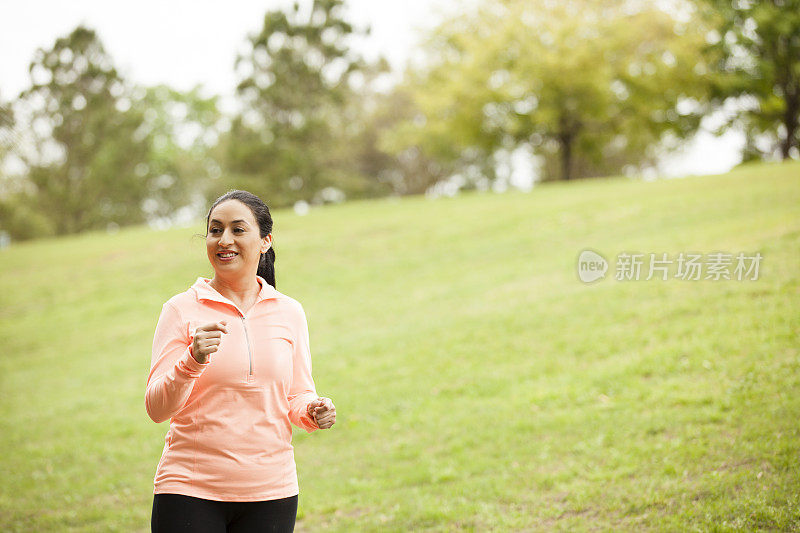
479, 384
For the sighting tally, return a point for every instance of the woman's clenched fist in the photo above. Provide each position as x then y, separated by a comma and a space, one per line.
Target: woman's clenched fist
206, 340
323, 412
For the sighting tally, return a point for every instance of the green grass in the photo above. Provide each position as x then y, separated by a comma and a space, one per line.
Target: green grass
479, 385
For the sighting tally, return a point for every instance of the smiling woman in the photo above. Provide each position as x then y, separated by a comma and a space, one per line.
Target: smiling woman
231, 369
235, 248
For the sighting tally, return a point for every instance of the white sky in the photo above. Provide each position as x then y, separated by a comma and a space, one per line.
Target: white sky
183, 43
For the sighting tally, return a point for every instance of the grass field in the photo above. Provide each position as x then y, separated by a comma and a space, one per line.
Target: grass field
479, 385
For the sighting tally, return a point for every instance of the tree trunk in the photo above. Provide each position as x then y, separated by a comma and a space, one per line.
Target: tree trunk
790, 121
565, 139
568, 130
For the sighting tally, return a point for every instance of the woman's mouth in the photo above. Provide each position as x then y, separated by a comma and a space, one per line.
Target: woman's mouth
226, 256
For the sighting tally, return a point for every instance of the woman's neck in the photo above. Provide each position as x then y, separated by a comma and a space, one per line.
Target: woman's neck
236, 290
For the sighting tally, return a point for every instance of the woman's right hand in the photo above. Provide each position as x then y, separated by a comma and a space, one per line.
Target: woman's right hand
206, 340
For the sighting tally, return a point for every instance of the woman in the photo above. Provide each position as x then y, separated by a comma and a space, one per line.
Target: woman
231, 368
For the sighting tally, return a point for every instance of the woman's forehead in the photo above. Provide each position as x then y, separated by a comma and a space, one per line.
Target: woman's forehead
232, 211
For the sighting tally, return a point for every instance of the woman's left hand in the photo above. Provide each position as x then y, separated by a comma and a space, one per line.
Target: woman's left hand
323, 412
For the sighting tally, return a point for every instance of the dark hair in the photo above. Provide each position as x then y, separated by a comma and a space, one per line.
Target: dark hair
266, 265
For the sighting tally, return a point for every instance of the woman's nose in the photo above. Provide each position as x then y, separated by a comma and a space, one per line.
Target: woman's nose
225, 238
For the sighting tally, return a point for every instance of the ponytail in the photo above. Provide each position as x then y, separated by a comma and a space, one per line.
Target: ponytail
266, 266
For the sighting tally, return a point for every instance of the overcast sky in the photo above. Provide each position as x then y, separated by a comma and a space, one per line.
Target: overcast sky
183, 43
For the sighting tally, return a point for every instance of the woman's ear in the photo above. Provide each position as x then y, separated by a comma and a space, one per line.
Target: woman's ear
266, 243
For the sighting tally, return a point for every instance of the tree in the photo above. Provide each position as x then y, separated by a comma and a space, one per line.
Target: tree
591, 86
6, 129
88, 157
182, 130
754, 51
18, 218
292, 139
405, 169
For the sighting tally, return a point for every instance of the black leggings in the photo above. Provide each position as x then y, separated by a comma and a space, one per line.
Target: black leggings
180, 513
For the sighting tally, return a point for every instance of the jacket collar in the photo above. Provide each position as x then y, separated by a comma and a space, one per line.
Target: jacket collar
204, 291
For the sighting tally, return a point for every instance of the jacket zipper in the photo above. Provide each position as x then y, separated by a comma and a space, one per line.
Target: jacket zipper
249, 353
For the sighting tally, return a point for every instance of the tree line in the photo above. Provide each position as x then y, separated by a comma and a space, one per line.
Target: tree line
585, 87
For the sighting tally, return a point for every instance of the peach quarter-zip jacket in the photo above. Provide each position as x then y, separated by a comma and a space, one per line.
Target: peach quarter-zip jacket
230, 430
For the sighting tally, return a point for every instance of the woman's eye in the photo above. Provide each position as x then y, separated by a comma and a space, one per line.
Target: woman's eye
239, 229
214, 230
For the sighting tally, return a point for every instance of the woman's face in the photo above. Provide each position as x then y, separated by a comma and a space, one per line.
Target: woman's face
232, 229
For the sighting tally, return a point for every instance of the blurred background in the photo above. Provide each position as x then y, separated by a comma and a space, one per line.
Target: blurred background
114, 116
434, 170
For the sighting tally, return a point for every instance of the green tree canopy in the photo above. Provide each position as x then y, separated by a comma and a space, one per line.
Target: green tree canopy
85, 163
291, 140
755, 53
183, 131
98, 151
590, 85
19, 218
6, 127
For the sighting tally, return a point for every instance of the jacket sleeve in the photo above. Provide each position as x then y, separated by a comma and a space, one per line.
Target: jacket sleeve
173, 370
302, 391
